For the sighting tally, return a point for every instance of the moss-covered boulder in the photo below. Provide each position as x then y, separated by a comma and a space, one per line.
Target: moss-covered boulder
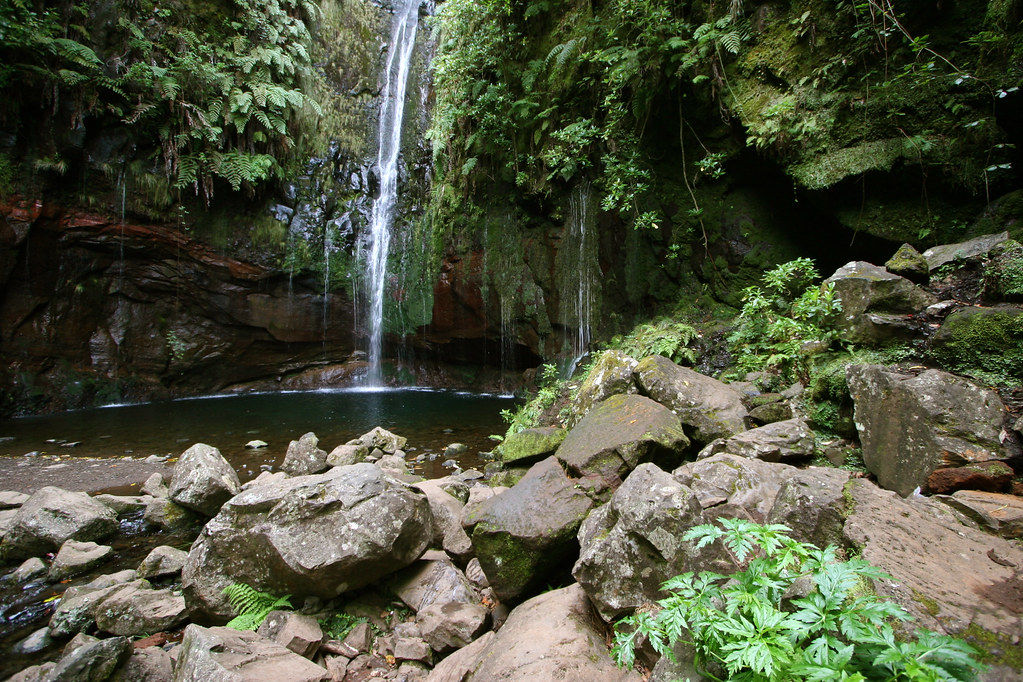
911, 425
610, 375
982, 342
708, 408
527, 533
1003, 274
875, 302
618, 434
909, 263
530, 445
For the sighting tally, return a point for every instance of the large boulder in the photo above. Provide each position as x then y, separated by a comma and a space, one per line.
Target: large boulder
162, 562
304, 457
611, 374
93, 661
936, 256
203, 480
554, 636
433, 582
951, 577
383, 439
911, 425
1001, 514
75, 610
51, 517
213, 654
735, 487
294, 631
791, 440
452, 625
874, 301
909, 263
619, 433
530, 445
981, 341
632, 544
812, 503
708, 408
318, 535
528, 531
446, 510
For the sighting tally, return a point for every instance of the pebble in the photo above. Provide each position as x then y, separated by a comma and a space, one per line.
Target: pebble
256, 444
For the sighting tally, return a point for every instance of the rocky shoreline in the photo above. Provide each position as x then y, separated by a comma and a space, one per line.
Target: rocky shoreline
520, 572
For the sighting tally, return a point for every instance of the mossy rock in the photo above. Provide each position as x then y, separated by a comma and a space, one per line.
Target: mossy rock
986, 343
530, 445
1003, 274
909, 263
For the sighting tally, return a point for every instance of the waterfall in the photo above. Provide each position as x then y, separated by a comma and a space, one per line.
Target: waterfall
579, 263
392, 113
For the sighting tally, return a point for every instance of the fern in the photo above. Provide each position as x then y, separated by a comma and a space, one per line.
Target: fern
252, 606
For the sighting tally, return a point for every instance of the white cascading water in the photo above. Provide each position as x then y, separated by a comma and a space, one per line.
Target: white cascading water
392, 114
586, 270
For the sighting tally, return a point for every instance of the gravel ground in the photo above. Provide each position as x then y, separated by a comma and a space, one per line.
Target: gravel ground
28, 474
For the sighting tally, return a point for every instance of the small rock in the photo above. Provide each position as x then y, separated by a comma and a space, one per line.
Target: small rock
909, 263
296, 632
346, 454
455, 450
359, 639
474, 572
452, 625
384, 440
79, 640
163, 513
77, 557
531, 445
34, 643
256, 444
224, 654
155, 487
304, 457
29, 569
770, 413
941, 308
35, 673
9, 499
151, 664
936, 256
784, 441
412, 649
124, 504
450, 464
135, 610
163, 561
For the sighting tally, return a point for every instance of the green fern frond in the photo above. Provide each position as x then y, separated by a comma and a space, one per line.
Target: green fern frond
252, 605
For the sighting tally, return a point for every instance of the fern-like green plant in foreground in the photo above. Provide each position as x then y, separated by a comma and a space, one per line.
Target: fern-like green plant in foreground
252, 606
753, 625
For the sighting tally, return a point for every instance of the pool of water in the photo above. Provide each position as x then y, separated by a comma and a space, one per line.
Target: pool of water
430, 419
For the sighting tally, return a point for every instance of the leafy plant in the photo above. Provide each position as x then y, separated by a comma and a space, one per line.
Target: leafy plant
252, 606
746, 627
528, 414
338, 624
663, 336
784, 322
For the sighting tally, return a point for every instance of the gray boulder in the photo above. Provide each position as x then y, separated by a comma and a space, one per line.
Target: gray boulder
318, 535
162, 562
92, 662
875, 301
135, 610
909, 263
154, 486
74, 611
529, 530
433, 582
151, 664
447, 526
611, 374
619, 433
209, 654
12, 499
52, 516
384, 440
304, 457
735, 487
708, 408
29, 569
554, 636
633, 543
77, 557
34, 673
452, 625
124, 504
911, 425
936, 256
812, 503
294, 631
791, 440
347, 454
530, 445
203, 480
163, 513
